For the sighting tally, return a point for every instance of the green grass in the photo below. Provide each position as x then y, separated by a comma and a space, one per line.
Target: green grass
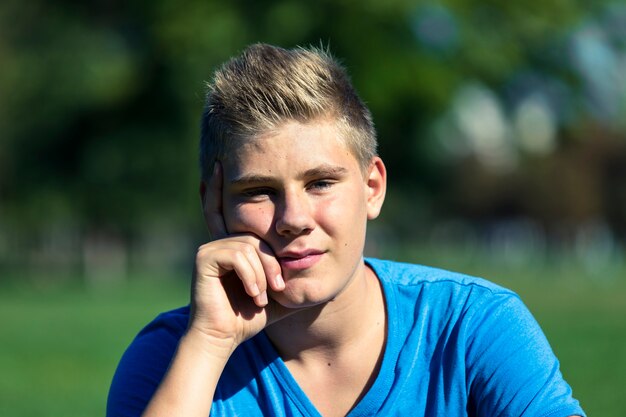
59, 346
59, 349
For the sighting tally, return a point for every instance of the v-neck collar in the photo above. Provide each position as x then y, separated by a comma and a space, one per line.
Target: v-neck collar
377, 393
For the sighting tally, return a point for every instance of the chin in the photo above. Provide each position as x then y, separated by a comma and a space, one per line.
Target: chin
292, 297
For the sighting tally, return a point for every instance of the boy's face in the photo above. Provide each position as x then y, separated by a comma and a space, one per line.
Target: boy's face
301, 190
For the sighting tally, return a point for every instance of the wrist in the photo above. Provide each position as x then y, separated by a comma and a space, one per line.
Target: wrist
209, 345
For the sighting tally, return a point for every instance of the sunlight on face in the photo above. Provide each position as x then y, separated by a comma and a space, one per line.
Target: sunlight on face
301, 190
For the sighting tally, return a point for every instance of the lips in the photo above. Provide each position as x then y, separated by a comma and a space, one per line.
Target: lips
300, 260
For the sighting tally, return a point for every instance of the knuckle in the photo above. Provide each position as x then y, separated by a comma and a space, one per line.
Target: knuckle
239, 257
249, 250
262, 284
205, 251
201, 255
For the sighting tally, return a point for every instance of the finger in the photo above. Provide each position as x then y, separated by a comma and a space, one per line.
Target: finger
213, 204
217, 262
266, 266
271, 270
271, 267
252, 255
229, 263
238, 262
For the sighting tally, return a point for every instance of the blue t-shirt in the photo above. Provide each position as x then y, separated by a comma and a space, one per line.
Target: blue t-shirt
456, 346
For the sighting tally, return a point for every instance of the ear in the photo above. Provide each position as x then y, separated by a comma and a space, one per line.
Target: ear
376, 183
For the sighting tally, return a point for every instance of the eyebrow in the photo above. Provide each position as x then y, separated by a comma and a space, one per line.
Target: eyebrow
324, 170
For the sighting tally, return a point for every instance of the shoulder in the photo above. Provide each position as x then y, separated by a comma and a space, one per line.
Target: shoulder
173, 322
427, 281
145, 362
437, 302
480, 330
157, 341
437, 299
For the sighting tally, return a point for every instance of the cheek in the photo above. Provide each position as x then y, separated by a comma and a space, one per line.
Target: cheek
248, 219
345, 213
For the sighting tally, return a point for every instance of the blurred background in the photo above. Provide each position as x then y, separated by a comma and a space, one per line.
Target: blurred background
502, 124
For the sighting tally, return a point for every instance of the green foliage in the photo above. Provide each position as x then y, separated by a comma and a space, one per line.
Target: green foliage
99, 102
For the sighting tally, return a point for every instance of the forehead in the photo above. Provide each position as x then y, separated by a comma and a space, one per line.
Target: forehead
319, 142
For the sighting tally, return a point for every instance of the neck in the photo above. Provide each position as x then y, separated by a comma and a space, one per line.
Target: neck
355, 316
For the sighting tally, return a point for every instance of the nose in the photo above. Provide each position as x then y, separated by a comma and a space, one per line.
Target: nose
293, 214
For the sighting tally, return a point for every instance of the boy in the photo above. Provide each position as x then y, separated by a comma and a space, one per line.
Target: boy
286, 317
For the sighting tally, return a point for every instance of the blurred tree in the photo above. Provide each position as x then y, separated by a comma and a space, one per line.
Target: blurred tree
99, 103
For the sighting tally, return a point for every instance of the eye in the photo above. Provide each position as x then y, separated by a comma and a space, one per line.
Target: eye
256, 193
321, 184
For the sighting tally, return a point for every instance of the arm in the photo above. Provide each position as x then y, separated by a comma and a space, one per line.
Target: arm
191, 379
229, 304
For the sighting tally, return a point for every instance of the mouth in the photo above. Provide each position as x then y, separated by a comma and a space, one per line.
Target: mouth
300, 260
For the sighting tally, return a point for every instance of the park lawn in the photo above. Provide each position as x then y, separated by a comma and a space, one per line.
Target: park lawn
59, 346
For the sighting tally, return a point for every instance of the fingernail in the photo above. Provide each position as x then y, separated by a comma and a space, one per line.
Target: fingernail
263, 298
280, 282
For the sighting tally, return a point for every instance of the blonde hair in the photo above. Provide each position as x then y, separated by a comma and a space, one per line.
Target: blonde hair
267, 86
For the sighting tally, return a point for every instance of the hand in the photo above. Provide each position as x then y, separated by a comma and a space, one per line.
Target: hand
229, 304
231, 278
